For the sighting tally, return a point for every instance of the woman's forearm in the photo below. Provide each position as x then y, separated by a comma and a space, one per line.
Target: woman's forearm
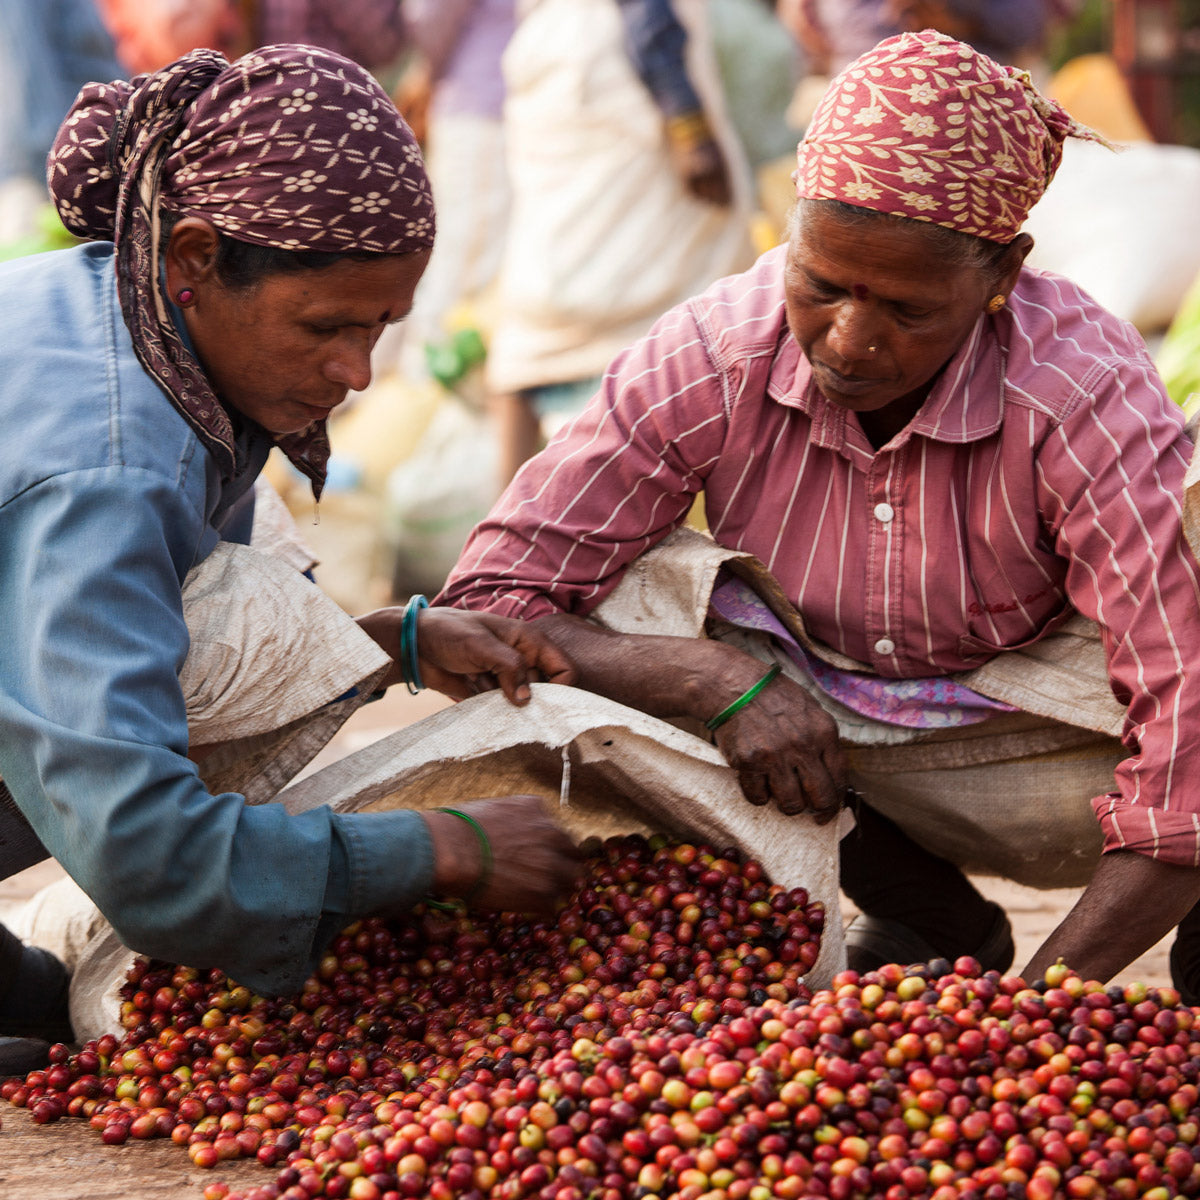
1131, 902
663, 676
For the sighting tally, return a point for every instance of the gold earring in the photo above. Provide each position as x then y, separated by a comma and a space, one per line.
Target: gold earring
996, 303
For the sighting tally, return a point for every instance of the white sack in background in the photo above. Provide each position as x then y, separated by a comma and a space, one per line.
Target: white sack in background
1124, 225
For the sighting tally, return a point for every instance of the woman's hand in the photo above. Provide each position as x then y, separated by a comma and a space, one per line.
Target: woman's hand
533, 862
785, 749
782, 744
464, 653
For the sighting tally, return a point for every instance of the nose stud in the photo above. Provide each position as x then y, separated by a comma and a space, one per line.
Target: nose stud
872, 349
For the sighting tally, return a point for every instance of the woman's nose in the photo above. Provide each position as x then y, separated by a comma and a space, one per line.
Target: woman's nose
852, 334
350, 365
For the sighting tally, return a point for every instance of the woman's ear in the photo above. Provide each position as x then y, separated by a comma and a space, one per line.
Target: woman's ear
1012, 262
191, 254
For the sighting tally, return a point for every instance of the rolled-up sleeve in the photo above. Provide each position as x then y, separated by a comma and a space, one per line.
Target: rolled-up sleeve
1111, 476
611, 484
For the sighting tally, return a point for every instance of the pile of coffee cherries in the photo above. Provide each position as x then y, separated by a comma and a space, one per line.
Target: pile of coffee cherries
655, 1041
444, 1010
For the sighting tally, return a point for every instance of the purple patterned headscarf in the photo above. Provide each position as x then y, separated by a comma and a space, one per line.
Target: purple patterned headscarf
290, 146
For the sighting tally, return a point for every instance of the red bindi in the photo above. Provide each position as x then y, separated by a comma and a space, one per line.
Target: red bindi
861, 291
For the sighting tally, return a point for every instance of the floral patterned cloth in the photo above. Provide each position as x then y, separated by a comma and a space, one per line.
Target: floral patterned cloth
934, 702
291, 146
926, 127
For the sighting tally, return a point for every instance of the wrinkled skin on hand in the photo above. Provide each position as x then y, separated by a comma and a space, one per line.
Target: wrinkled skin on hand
782, 744
786, 751
465, 653
534, 861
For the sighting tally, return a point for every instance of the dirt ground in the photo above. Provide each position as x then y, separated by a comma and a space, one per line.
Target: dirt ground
1034, 913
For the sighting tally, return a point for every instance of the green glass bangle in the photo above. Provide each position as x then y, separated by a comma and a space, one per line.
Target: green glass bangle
743, 699
410, 664
485, 853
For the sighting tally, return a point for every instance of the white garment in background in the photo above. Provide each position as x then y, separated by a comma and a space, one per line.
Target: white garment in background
467, 171
604, 238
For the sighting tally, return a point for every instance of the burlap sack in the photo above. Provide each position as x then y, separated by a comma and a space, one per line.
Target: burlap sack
1027, 818
275, 668
602, 768
1009, 796
254, 622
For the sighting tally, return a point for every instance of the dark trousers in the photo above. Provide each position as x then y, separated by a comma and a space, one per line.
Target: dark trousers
889, 876
34, 991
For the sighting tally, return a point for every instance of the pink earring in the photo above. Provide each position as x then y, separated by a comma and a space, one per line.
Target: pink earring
184, 297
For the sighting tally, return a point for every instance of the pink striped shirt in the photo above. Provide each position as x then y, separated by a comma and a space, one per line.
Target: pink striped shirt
1042, 475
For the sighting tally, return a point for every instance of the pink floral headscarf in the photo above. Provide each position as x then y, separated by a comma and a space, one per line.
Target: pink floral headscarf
290, 146
925, 127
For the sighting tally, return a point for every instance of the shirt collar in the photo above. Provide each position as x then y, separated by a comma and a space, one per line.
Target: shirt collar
965, 404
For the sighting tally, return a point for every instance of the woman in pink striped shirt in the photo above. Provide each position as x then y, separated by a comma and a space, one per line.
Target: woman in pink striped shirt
944, 458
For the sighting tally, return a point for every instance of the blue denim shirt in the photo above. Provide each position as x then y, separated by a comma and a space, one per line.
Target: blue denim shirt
107, 499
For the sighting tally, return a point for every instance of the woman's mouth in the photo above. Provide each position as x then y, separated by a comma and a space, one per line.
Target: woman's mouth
845, 385
317, 412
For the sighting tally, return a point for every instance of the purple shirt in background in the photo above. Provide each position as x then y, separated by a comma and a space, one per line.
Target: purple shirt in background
464, 41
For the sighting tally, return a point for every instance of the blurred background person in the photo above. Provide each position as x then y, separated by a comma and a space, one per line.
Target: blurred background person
452, 94
760, 63
48, 50
631, 192
547, 347
149, 34
835, 32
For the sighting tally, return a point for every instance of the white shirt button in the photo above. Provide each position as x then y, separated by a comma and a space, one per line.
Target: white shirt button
884, 646
884, 512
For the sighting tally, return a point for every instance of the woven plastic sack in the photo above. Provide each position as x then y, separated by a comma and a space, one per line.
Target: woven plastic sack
1027, 818
253, 620
601, 768
1008, 797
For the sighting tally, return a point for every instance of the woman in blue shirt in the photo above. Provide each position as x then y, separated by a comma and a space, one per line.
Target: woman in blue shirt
253, 228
